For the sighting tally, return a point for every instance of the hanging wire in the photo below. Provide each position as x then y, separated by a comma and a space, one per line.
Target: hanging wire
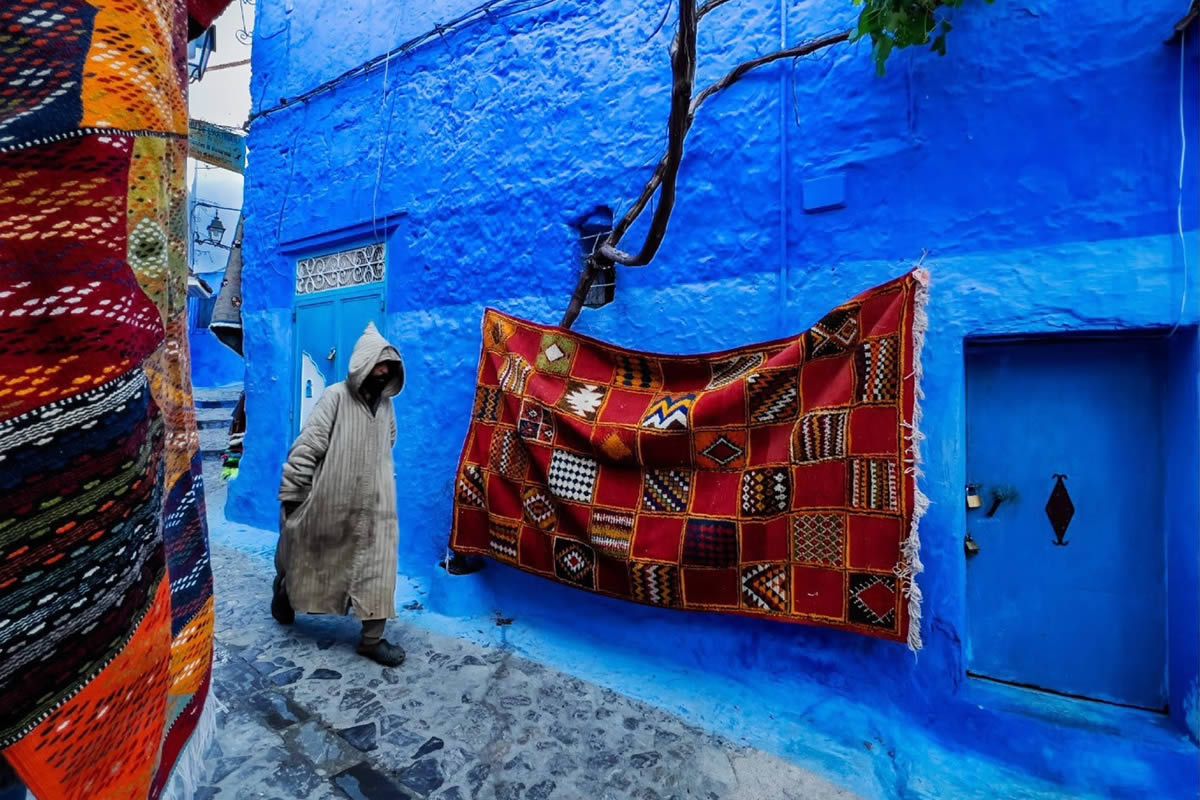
490, 10
1179, 203
663, 21
206, 204
287, 187
387, 132
819, 55
383, 140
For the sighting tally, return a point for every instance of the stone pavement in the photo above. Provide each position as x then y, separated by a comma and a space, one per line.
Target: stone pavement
302, 716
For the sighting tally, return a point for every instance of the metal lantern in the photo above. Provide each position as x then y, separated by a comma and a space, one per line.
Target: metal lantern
198, 52
603, 288
592, 232
216, 230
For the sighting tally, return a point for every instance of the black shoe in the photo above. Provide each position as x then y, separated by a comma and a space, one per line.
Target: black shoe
281, 609
383, 652
461, 565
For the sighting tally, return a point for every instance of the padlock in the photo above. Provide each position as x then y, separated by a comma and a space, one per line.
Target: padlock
970, 546
973, 500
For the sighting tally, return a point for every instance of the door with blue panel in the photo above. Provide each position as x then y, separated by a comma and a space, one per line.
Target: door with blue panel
355, 311
1065, 561
337, 294
326, 332
316, 342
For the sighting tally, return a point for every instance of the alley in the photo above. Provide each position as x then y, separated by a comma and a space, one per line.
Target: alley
301, 715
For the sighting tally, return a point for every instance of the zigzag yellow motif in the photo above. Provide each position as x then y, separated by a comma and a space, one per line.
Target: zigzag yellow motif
47, 204
670, 412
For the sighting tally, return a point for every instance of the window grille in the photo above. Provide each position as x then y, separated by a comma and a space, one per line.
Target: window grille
354, 267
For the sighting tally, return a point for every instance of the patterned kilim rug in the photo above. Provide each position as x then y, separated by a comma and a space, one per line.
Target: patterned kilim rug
106, 610
775, 480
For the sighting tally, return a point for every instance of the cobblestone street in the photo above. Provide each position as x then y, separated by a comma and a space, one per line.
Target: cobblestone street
301, 715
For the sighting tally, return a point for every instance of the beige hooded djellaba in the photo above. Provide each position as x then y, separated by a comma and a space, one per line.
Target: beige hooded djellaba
337, 550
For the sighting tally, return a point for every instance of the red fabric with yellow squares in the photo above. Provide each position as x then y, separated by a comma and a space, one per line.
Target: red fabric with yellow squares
773, 480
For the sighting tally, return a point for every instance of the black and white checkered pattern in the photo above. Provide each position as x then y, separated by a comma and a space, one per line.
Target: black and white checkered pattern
572, 476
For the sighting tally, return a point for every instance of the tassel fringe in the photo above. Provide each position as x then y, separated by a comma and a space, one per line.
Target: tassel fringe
911, 565
190, 768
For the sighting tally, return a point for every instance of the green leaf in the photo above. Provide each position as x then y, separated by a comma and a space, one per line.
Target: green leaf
883, 48
896, 24
864, 24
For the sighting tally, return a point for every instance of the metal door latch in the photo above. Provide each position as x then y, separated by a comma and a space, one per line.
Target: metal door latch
332, 353
1000, 496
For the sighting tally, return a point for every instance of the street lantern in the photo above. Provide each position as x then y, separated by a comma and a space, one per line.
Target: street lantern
603, 288
216, 230
593, 230
198, 52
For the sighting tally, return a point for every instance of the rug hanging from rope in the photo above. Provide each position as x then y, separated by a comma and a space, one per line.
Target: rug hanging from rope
774, 480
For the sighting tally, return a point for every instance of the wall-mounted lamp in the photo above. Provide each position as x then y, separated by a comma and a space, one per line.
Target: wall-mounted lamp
216, 230
199, 50
593, 230
603, 288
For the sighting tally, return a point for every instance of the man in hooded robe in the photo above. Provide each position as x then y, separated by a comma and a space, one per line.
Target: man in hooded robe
338, 529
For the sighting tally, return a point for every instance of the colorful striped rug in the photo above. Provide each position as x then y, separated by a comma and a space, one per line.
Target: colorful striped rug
106, 609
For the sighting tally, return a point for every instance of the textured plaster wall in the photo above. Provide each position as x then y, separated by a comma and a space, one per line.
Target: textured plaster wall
1037, 164
213, 364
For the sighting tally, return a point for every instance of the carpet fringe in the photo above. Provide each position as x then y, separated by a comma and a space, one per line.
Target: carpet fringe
191, 768
911, 547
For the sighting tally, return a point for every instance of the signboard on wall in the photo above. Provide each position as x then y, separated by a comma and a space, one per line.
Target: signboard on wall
215, 145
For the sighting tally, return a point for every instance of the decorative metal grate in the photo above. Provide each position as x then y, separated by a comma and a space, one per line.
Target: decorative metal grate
339, 270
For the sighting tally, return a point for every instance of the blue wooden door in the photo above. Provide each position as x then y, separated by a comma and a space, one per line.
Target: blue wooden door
354, 312
1085, 617
314, 359
327, 327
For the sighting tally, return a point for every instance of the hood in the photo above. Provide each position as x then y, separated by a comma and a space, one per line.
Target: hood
369, 351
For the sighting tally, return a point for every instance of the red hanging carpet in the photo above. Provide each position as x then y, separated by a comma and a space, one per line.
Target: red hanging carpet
774, 480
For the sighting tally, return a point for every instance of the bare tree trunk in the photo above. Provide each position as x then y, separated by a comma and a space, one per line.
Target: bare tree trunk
667, 170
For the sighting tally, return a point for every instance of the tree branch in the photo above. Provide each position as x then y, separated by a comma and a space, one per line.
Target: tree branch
683, 70
667, 170
709, 6
739, 72
890, 25
732, 77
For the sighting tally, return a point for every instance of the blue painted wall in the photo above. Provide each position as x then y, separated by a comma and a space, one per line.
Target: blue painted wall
1181, 435
213, 364
1037, 163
